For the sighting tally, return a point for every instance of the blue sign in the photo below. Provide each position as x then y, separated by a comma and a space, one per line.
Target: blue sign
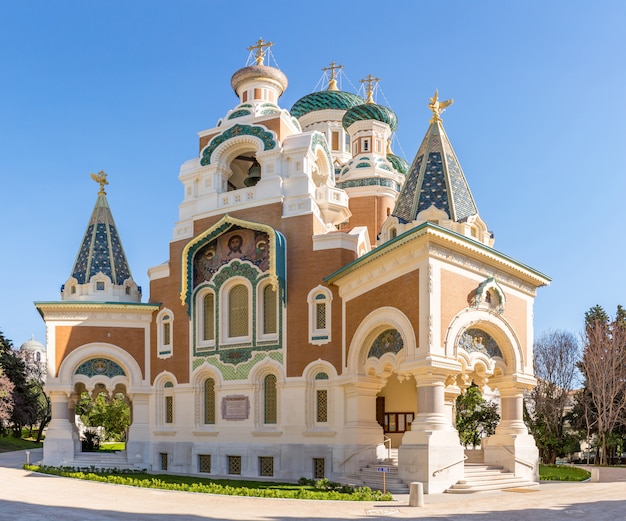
382, 469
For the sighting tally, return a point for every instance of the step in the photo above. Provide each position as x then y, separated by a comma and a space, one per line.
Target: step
485, 488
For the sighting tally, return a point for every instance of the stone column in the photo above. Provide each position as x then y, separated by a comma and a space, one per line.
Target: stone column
58, 447
138, 442
361, 430
511, 446
431, 452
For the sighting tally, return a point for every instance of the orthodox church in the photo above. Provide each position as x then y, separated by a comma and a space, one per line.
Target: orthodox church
323, 304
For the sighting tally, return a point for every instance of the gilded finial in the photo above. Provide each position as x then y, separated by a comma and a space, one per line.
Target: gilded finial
332, 83
438, 106
101, 178
260, 49
371, 82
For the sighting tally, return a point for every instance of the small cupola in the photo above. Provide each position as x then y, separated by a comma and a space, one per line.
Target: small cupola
259, 83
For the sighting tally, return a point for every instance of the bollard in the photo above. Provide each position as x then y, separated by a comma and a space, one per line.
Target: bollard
27, 457
416, 494
595, 475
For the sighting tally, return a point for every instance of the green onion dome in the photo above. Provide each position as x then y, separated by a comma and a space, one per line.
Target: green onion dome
325, 99
370, 111
398, 163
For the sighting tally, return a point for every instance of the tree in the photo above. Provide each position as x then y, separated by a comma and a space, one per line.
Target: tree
6, 400
475, 416
604, 367
556, 357
112, 414
23, 397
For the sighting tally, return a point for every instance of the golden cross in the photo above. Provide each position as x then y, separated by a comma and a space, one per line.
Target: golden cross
260, 49
332, 83
370, 80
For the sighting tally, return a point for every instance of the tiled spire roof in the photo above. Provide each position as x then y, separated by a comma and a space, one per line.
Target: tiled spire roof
435, 178
101, 249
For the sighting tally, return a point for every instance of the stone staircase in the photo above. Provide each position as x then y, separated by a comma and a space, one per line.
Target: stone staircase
103, 460
479, 477
370, 477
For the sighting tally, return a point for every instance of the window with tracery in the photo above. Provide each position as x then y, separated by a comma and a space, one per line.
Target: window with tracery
270, 400
209, 401
165, 321
319, 315
269, 310
208, 317
238, 311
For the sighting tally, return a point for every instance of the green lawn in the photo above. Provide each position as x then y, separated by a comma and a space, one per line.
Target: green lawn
112, 446
9, 444
562, 473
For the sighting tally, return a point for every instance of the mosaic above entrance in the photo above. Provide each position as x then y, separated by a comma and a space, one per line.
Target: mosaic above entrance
476, 340
100, 367
389, 341
239, 243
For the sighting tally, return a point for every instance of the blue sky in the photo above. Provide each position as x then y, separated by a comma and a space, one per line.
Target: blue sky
538, 123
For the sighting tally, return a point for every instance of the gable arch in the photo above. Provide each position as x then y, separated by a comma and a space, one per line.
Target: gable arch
370, 327
133, 373
277, 258
233, 139
513, 359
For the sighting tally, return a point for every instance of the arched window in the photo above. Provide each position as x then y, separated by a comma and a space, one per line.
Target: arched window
321, 399
169, 403
270, 400
238, 311
269, 310
209, 401
208, 318
319, 300
165, 342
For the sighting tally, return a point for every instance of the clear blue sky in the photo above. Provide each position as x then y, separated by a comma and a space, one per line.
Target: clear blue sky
538, 123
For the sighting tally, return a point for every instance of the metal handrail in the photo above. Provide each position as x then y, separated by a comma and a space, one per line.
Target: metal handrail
369, 447
448, 466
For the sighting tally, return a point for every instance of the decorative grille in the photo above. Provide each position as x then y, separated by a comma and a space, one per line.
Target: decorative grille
320, 318
166, 333
169, 409
204, 463
238, 305
322, 405
318, 468
266, 466
271, 404
163, 456
234, 464
208, 332
209, 401
269, 310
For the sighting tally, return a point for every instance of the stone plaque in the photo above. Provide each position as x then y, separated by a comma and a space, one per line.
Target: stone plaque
236, 407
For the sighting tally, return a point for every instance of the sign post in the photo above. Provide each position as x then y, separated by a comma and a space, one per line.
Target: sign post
384, 470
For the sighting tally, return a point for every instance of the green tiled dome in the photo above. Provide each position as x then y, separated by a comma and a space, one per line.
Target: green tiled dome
369, 111
325, 99
398, 163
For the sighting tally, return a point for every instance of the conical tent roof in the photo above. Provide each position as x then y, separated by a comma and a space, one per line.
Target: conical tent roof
101, 249
435, 178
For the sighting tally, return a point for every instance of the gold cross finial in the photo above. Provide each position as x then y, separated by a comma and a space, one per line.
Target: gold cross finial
438, 106
260, 49
332, 83
369, 89
101, 178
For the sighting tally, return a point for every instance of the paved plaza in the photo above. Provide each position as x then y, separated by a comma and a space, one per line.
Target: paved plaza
27, 496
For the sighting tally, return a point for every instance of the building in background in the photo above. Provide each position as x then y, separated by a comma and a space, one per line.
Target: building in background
322, 301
